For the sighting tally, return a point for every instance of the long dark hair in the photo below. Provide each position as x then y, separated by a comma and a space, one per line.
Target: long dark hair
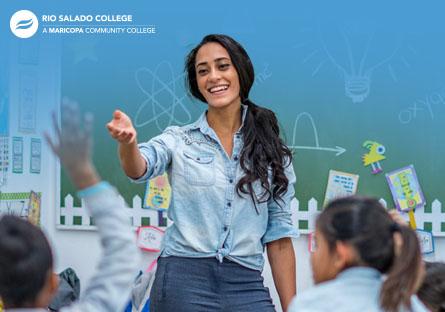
263, 150
366, 225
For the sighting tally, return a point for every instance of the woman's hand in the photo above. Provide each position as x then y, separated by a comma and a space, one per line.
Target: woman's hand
121, 128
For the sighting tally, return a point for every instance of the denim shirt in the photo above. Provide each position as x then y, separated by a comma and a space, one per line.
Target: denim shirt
355, 289
209, 218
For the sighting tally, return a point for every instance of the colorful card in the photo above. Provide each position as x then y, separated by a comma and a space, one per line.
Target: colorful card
340, 184
405, 188
149, 238
15, 204
34, 208
374, 155
426, 241
158, 193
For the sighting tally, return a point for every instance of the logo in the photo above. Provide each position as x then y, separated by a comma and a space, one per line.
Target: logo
24, 24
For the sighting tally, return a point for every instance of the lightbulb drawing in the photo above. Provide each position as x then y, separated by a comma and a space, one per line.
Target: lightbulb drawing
356, 55
374, 156
357, 77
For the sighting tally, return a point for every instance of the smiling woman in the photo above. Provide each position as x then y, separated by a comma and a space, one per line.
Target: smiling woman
232, 182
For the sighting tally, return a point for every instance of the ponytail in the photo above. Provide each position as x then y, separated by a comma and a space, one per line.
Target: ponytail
403, 276
263, 151
380, 243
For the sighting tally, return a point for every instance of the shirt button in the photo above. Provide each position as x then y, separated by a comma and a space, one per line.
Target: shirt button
225, 228
235, 158
231, 181
229, 204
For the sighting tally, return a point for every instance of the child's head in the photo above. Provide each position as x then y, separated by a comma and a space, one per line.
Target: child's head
432, 291
357, 231
26, 265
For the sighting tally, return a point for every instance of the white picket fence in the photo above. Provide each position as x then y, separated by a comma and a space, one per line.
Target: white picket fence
135, 213
303, 219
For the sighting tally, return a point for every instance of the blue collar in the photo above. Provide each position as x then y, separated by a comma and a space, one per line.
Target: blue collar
203, 125
365, 272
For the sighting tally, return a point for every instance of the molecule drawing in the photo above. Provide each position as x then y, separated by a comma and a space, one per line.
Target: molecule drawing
167, 107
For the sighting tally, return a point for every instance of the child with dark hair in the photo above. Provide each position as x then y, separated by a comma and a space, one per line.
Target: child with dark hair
432, 290
364, 261
26, 262
27, 281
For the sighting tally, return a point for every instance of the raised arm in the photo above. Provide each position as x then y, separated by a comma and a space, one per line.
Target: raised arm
121, 129
110, 286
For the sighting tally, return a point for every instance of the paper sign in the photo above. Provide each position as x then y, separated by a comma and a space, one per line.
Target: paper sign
17, 155
340, 184
27, 102
34, 208
426, 241
4, 114
149, 238
158, 193
4, 160
36, 155
15, 203
405, 188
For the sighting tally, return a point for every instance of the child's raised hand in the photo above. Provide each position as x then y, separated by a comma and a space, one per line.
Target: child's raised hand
72, 144
121, 128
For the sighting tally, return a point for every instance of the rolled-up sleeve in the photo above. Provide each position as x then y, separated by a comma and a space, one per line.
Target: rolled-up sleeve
158, 154
279, 223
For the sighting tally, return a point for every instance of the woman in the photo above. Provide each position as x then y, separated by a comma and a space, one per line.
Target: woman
232, 182
357, 243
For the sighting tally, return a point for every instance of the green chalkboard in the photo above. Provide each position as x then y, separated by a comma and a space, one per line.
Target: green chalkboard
335, 78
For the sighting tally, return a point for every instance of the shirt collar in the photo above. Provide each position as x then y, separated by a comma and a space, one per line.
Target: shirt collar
203, 125
365, 272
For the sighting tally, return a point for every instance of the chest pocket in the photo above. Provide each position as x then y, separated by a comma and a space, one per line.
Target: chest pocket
199, 169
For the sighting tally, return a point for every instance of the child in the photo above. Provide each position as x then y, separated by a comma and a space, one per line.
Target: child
432, 291
356, 243
27, 281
